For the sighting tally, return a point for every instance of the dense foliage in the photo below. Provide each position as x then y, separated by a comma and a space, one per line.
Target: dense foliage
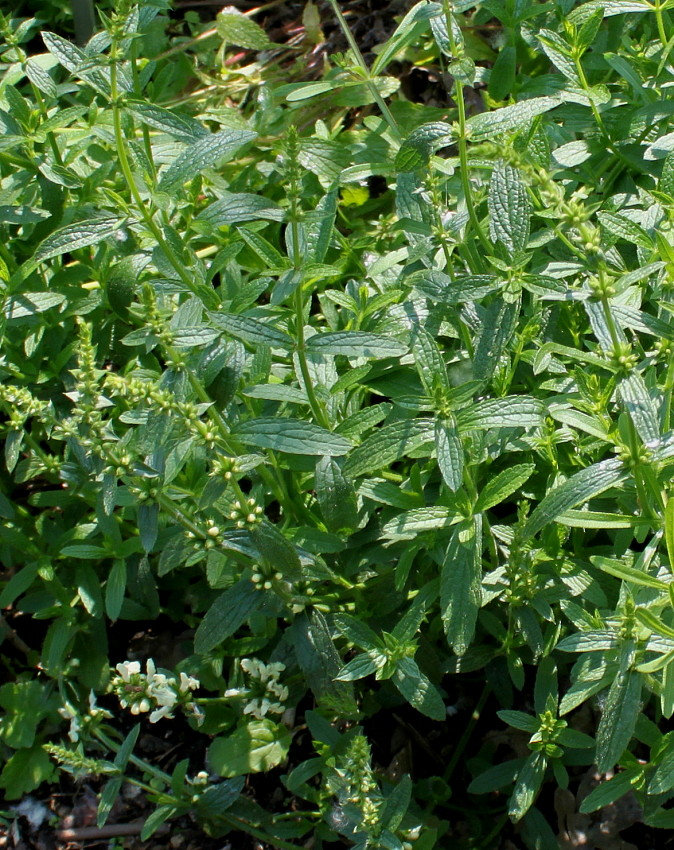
370, 400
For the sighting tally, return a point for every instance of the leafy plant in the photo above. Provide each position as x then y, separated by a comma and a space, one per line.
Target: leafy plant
364, 448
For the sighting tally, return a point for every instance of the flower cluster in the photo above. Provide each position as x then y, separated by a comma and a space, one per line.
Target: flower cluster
79, 722
152, 691
264, 695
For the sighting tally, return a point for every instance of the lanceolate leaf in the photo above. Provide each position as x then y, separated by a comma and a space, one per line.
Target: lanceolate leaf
528, 784
509, 208
356, 344
418, 690
72, 237
460, 584
320, 663
449, 453
387, 445
618, 719
640, 407
489, 125
498, 489
181, 127
441, 288
579, 488
500, 320
292, 436
202, 154
229, 611
509, 412
336, 496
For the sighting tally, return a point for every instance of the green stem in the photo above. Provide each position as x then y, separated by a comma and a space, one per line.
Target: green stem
661, 24
125, 166
379, 100
464, 170
462, 141
317, 408
232, 820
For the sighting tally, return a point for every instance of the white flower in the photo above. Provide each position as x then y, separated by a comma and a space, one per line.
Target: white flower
127, 669
188, 683
69, 713
158, 713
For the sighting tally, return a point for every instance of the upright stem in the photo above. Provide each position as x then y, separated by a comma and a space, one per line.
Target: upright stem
379, 100
317, 408
462, 140
124, 164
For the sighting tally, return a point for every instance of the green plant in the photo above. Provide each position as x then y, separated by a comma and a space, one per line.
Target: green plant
362, 448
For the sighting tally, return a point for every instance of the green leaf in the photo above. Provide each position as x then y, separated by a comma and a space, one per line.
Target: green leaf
503, 485
519, 720
204, 153
509, 208
184, 128
418, 520
40, 78
624, 228
152, 823
25, 771
70, 238
236, 28
418, 690
590, 641
608, 8
408, 31
441, 288
669, 529
356, 344
387, 445
115, 588
579, 488
320, 663
25, 705
415, 152
257, 746
357, 632
252, 331
107, 799
529, 781
490, 125
608, 792
622, 571
662, 779
654, 623
640, 407
336, 497
229, 611
218, 798
500, 322
291, 436
277, 552
429, 362
508, 412
231, 208
361, 666
397, 803
449, 453
559, 52
502, 77
618, 719
461, 584
496, 777
325, 158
